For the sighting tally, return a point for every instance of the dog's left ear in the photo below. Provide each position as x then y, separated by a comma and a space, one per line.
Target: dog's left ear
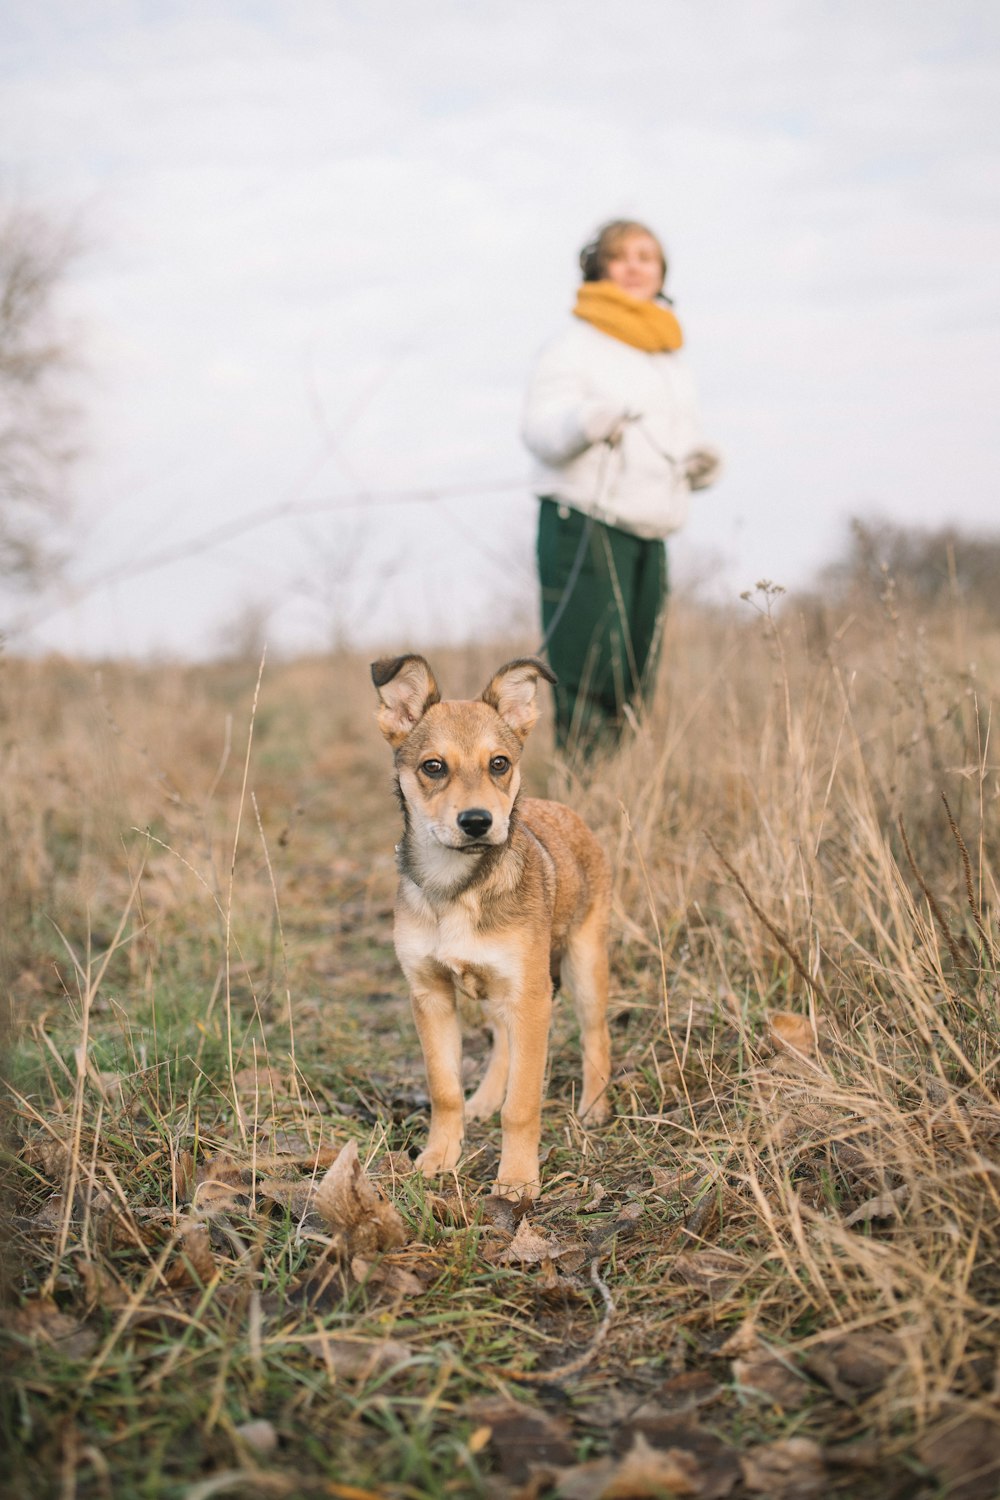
406, 690
512, 692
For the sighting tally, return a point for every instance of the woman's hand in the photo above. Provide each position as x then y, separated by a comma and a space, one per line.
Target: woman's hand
701, 467
603, 420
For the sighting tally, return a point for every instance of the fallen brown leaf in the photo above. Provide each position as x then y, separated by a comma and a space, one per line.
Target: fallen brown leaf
184, 1174
665, 1182
764, 1374
522, 1436
718, 1469
598, 1193
790, 1470
451, 1208
195, 1261
100, 1287
51, 1157
499, 1212
349, 1202
855, 1363
528, 1247
712, 1270
221, 1184
384, 1274
685, 1391
744, 1340
394, 1165
293, 1163
51, 1214
548, 1277
792, 1032
293, 1195
40, 1320
644, 1473
885, 1206
965, 1453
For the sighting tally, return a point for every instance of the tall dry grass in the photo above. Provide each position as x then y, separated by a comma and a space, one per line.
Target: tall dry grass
813, 827
805, 841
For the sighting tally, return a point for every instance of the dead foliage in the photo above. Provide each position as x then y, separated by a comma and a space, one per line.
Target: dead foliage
773, 1273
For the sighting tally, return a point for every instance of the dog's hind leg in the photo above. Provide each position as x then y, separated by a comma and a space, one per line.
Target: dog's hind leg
488, 1097
436, 1015
585, 971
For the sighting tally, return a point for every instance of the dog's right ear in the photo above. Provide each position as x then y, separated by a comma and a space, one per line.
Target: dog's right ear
406, 690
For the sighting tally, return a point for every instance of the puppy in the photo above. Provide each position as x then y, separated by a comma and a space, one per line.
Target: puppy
499, 896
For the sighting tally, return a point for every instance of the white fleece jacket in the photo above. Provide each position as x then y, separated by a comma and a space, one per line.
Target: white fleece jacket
583, 384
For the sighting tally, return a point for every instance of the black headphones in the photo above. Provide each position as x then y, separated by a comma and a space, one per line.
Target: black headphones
590, 265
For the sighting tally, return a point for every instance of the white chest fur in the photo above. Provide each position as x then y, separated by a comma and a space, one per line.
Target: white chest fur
480, 964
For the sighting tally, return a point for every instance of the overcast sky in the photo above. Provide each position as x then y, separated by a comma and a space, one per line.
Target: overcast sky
325, 239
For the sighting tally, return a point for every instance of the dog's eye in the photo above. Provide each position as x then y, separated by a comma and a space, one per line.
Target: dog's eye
499, 765
433, 767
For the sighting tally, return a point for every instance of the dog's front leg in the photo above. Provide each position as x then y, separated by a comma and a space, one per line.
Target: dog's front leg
527, 1016
436, 1015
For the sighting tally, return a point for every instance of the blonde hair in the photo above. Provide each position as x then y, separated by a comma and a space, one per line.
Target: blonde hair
597, 252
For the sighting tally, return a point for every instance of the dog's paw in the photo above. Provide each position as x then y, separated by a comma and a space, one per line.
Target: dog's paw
596, 1111
434, 1159
480, 1106
518, 1180
515, 1192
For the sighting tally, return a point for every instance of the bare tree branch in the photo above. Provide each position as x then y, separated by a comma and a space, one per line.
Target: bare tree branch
37, 419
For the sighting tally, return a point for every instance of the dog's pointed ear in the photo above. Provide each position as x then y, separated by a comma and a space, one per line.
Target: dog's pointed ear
406, 690
512, 692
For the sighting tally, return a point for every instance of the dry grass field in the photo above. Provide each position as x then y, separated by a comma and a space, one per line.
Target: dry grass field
775, 1273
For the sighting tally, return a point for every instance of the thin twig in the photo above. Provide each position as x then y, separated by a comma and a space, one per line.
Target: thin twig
974, 907
771, 926
573, 1366
938, 915
226, 531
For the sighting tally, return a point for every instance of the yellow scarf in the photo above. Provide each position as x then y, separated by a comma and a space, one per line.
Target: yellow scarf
645, 325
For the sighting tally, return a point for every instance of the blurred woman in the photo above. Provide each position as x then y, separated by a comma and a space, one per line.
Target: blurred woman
612, 418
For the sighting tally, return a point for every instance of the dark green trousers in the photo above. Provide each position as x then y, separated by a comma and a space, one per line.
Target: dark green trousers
603, 597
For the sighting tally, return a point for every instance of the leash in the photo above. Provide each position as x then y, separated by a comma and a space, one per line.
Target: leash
570, 583
581, 552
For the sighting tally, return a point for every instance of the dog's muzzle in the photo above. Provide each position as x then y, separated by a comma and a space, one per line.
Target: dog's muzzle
475, 822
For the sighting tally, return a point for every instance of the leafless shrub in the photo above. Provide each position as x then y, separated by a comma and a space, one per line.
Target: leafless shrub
37, 418
927, 566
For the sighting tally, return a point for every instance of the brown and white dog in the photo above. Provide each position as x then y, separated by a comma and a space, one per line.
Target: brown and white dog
498, 896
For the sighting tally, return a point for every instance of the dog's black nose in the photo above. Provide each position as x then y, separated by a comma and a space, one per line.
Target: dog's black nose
475, 821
